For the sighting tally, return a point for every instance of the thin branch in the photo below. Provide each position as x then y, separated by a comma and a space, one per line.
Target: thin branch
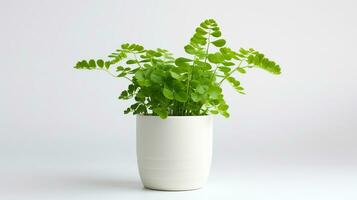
230, 73
113, 75
208, 43
137, 61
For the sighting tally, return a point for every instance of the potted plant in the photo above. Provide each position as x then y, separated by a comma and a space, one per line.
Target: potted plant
174, 100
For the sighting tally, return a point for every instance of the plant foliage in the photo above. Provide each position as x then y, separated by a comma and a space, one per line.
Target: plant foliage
165, 86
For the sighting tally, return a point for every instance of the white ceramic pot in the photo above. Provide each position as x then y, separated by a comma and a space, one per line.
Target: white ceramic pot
174, 153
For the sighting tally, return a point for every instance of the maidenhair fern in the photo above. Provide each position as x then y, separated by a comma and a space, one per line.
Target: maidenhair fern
166, 86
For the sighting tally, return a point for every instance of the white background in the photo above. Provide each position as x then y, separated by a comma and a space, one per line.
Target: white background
63, 134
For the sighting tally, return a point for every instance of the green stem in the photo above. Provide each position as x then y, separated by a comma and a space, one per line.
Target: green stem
230, 73
208, 43
214, 72
113, 75
136, 59
188, 87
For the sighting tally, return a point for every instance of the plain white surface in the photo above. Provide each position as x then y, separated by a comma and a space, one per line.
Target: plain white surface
63, 134
111, 179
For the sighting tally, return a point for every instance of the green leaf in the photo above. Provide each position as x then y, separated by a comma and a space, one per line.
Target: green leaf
215, 28
228, 53
162, 112
225, 114
140, 109
215, 92
100, 63
243, 51
203, 25
235, 83
182, 61
199, 36
139, 75
158, 54
259, 60
139, 48
131, 88
122, 74
228, 63
132, 46
212, 21
215, 58
202, 65
224, 69
175, 75
124, 95
92, 64
129, 62
215, 112
240, 88
120, 68
125, 46
223, 107
219, 43
128, 110
201, 31
168, 93
201, 89
181, 96
107, 64
134, 106
195, 97
216, 34
82, 65
190, 50
198, 39
157, 76
241, 70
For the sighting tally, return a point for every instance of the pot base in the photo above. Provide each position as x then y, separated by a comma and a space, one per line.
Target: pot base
174, 185
172, 189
